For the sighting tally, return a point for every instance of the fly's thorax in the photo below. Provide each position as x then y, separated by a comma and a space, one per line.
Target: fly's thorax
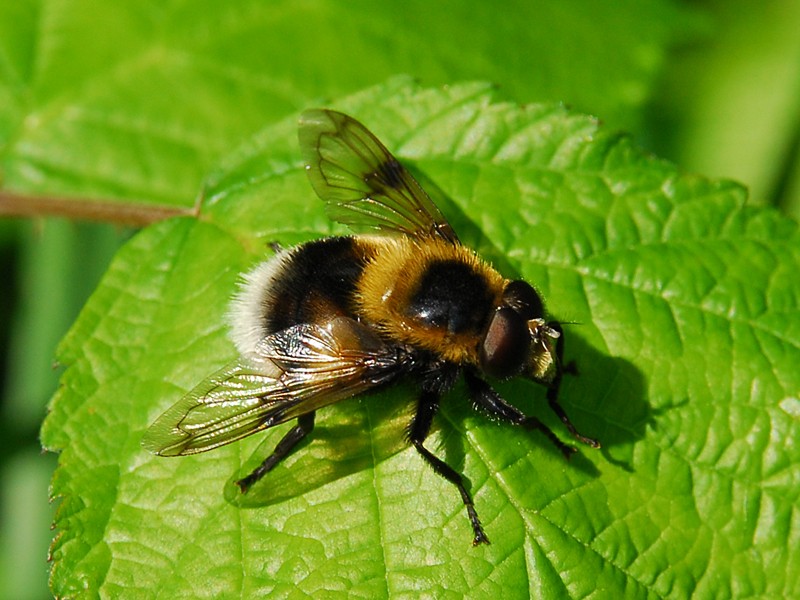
429, 294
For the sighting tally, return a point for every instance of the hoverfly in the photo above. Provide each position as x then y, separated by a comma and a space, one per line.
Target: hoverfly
332, 318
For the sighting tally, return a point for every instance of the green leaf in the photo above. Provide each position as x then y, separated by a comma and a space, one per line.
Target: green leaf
686, 339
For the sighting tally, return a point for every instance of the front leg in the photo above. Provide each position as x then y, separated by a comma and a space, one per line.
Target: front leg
418, 430
555, 386
485, 397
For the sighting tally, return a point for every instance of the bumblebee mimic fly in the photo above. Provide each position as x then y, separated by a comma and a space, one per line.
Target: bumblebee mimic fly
332, 318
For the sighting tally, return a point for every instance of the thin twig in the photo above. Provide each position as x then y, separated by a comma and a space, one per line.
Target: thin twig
107, 211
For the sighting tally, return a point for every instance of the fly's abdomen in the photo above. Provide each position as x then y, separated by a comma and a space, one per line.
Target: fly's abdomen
317, 285
310, 283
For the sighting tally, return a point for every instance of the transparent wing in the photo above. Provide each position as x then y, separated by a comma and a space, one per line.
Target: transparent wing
298, 370
363, 185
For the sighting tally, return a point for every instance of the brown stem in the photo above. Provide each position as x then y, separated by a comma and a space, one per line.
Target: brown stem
108, 211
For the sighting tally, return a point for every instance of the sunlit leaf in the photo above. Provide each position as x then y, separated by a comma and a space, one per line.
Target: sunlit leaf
686, 341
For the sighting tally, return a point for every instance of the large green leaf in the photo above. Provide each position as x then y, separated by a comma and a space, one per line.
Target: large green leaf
686, 339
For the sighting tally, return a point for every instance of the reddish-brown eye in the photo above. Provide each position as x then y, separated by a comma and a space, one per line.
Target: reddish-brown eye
506, 343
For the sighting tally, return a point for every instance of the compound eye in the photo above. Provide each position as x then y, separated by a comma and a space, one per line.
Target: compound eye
520, 296
505, 346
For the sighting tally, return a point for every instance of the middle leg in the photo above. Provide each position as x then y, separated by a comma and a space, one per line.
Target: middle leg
418, 430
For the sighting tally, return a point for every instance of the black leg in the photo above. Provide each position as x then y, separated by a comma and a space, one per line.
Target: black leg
305, 425
485, 397
417, 432
556, 408
555, 386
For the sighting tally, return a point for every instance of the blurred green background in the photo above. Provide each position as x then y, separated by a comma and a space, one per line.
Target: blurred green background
718, 94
